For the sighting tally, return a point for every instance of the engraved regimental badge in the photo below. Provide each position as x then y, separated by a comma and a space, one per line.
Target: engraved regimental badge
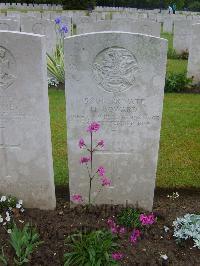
114, 69
7, 68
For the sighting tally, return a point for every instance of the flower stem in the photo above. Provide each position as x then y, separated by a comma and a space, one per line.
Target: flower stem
91, 167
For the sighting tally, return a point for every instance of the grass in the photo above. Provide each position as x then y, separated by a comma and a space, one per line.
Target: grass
58, 133
176, 66
169, 37
179, 155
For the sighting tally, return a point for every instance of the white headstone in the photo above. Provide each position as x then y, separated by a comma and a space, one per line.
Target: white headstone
194, 55
126, 25
116, 79
25, 141
182, 35
43, 27
10, 24
168, 24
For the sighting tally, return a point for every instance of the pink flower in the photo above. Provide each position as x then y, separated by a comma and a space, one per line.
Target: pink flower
77, 198
147, 219
110, 222
114, 229
105, 181
101, 171
93, 127
122, 230
117, 256
84, 159
101, 143
81, 143
135, 235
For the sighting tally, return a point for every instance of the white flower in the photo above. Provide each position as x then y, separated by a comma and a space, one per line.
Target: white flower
164, 256
1, 219
9, 231
3, 198
7, 217
20, 202
18, 206
166, 228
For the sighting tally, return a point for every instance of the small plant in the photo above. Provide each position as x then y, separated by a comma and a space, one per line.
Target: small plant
177, 82
129, 217
97, 248
172, 54
175, 195
55, 62
88, 162
188, 227
9, 206
24, 242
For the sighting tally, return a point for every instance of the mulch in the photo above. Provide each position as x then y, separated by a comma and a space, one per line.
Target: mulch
54, 226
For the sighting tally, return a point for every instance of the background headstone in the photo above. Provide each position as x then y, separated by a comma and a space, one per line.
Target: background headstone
194, 55
126, 25
116, 79
10, 24
43, 27
25, 140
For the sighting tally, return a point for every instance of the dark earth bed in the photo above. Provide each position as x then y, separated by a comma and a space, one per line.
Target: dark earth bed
53, 226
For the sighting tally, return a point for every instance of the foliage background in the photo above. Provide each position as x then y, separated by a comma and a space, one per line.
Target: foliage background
193, 5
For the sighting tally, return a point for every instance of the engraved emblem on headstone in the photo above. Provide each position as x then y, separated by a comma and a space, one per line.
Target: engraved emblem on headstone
7, 68
4, 26
114, 69
39, 28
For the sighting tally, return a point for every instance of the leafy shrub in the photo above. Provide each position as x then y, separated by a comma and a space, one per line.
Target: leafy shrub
188, 227
55, 65
92, 249
24, 242
195, 6
173, 55
129, 217
177, 82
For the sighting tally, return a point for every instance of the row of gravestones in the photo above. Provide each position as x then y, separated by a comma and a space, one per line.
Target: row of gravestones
30, 6
35, 25
114, 78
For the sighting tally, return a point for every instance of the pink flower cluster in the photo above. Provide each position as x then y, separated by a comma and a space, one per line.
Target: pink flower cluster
85, 160
147, 219
114, 228
77, 198
100, 143
101, 171
93, 127
135, 235
105, 181
81, 143
117, 256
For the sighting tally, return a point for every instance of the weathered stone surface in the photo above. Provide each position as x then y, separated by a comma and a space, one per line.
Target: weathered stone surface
182, 35
43, 27
116, 79
168, 24
26, 169
127, 25
10, 24
194, 55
